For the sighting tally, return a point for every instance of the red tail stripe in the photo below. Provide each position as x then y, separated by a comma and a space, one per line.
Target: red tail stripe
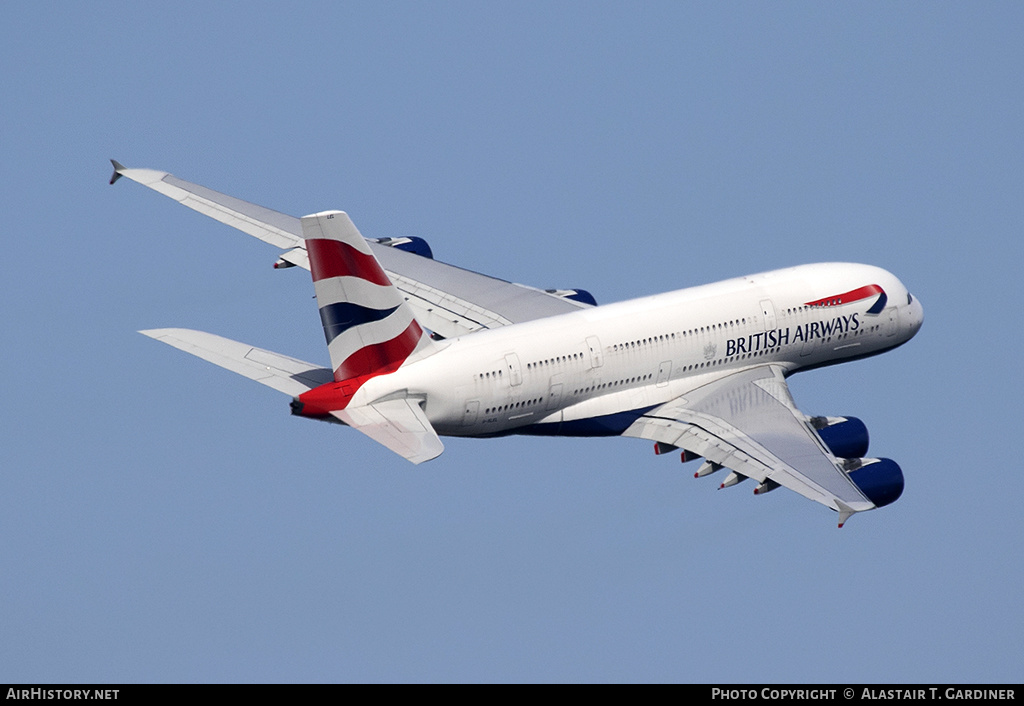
380, 358
333, 258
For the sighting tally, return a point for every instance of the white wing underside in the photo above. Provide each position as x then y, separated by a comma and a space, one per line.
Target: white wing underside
447, 299
747, 422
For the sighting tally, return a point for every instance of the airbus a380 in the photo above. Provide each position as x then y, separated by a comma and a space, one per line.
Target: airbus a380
421, 349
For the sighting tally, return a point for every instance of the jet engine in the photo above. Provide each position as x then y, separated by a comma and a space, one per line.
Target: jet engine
577, 295
880, 479
409, 243
845, 437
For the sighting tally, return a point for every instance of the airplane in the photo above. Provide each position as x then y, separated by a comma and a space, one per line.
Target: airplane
421, 349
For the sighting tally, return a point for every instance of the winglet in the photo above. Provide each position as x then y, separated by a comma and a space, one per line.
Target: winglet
118, 168
845, 512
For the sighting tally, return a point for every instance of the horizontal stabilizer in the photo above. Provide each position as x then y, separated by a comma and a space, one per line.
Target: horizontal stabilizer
284, 374
400, 424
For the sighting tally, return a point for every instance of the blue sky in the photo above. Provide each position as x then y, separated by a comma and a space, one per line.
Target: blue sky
165, 520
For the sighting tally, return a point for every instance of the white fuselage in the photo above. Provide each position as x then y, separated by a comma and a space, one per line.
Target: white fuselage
589, 372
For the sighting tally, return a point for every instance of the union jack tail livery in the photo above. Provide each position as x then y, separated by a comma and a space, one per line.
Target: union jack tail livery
370, 329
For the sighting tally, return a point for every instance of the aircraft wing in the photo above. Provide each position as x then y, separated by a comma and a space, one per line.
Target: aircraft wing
747, 422
446, 299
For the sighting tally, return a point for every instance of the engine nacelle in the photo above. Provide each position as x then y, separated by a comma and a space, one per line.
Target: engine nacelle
845, 437
409, 243
577, 295
880, 479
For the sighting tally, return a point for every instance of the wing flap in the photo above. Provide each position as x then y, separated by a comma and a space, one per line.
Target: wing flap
747, 422
399, 424
280, 372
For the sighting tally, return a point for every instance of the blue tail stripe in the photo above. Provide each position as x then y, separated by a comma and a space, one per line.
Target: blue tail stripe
340, 317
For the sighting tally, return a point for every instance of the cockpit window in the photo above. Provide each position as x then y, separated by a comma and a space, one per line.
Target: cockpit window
910, 299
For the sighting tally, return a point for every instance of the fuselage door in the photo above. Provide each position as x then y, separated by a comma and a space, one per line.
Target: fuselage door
470, 412
664, 370
515, 372
596, 359
554, 396
555, 392
805, 329
808, 347
768, 309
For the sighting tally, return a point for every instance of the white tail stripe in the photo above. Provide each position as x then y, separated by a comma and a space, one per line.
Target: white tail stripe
357, 291
350, 341
335, 225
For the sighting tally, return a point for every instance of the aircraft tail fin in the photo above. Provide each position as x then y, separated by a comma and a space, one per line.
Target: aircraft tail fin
369, 327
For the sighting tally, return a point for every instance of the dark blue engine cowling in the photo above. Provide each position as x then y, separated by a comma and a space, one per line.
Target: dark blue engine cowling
847, 439
577, 295
583, 296
881, 481
416, 245
408, 243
